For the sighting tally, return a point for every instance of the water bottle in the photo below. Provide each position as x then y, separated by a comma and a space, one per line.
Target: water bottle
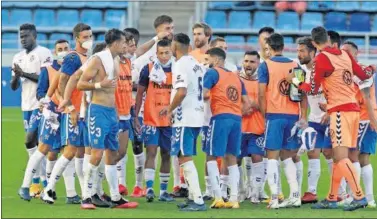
295, 94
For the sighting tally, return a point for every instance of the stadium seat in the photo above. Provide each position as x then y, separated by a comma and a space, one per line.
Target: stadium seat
100, 37
336, 21
9, 41
123, 4
288, 21
67, 18
310, 20
347, 6
25, 4
4, 17
252, 39
113, 18
288, 40
326, 5
374, 23
267, 17
20, 16
42, 39
97, 4
360, 42
44, 17
69, 4
48, 4
239, 19
58, 36
92, 17
235, 43
216, 19
368, 6
220, 5
360, 22
7, 4
373, 41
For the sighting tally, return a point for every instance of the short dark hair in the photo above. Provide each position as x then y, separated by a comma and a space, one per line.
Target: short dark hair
276, 42
164, 43
307, 41
135, 33
252, 53
319, 35
162, 19
80, 27
99, 47
61, 41
182, 39
129, 36
216, 40
113, 35
217, 52
29, 27
269, 30
334, 37
348, 42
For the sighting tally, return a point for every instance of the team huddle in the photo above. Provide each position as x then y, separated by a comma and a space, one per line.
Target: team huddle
87, 103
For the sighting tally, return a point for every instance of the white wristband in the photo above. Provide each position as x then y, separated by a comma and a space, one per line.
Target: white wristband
47, 98
71, 108
97, 85
155, 39
296, 82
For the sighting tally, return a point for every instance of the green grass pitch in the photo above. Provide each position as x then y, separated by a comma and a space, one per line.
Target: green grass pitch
14, 158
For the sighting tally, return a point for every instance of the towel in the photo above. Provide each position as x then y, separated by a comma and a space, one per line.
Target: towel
157, 74
51, 118
107, 62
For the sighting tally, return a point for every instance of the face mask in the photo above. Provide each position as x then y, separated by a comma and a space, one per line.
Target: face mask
87, 44
167, 64
128, 56
60, 55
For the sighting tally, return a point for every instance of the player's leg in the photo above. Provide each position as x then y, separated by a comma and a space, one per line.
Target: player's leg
80, 154
216, 147
244, 153
124, 127
184, 146
208, 194
314, 172
344, 131
151, 136
368, 147
300, 171
256, 145
224, 179
139, 160
165, 147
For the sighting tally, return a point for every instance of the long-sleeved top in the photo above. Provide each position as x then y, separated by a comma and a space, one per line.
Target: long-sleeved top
43, 81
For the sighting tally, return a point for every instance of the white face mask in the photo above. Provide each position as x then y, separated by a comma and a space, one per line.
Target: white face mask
128, 56
87, 44
60, 56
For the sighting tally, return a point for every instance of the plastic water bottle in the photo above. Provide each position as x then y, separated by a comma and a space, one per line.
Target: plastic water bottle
295, 94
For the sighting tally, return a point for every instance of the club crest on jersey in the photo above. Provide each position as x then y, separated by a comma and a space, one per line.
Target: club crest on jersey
347, 77
32, 58
284, 87
232, 93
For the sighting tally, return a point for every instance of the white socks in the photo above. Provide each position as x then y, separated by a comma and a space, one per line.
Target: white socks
208, 186
31, 168
176, 171
101, 176
241, 180
164, 180
49, 167
112, 180
30, 153
191, 176
291, 174
214, 177
139, 161
59, 167
149, 178
300, 172
85, 164
258, 172
79, 166
273, 177
43, 174
367, 175
89, 181
121, 170
233, 180
314, 172
224, 182
69, 179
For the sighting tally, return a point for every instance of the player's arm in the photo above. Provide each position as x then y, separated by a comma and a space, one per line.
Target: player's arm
211, 77
141, 88
69, 66
367, 100
15, 82
263, 79
148, 45
71, 85
31, 76
304, 107
43, 84
362, 73
89, 74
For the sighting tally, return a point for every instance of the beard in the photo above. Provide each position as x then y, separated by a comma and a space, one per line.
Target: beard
199, 44
304, 61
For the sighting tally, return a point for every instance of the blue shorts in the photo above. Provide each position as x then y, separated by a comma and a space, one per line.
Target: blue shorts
278, 135
132, 133
205, 136
124, 125
47, 135
225, 137
252, 144
184, 141
103, 127
158, 136
323, 141
32, 120
70, 134
367, 139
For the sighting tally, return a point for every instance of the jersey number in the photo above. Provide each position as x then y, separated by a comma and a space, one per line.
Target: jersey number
200, 96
